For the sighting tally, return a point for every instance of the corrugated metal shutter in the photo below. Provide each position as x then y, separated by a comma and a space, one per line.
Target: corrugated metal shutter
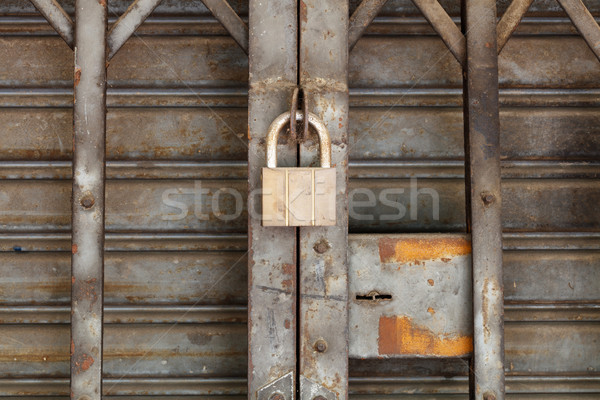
176, 129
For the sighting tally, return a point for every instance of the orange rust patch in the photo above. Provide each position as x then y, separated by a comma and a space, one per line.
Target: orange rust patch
288, 269
88, 361
417, 250
74, 248
287, 283
77, 77
430, 310
398, 335
430, 281
287, 324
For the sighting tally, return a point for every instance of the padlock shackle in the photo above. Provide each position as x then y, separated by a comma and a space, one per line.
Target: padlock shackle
282, 120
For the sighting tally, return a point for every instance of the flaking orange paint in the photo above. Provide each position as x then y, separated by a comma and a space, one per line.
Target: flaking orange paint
416, 250
399, 336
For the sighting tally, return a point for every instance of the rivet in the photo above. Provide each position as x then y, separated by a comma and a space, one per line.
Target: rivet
321, 346
487, 198
321, 246
87, 201
277, 396
489, 396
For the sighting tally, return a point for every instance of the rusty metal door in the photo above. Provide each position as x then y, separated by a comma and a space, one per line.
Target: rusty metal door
133, 259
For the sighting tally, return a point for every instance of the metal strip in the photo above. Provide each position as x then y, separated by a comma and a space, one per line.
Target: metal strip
584, 22
323, 318
272, 256
361, 18
510, 20
482, 133
445, 27
87, 260
122, 30
57, 18
230, 20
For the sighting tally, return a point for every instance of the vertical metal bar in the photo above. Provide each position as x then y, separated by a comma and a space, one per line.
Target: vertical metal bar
323, 285
483, 191
272, 257
87, 260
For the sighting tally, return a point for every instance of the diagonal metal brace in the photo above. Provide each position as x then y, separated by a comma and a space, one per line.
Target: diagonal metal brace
361, 18
510, 20
230, 20
122, 30
584, 22
57, 18
445, 27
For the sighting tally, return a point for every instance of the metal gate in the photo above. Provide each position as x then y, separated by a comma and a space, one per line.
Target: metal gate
134, 261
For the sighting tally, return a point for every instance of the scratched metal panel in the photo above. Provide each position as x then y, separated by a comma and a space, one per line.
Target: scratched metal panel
177, 93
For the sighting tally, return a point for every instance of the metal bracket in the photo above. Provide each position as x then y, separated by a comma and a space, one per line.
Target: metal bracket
280, 389
310, 390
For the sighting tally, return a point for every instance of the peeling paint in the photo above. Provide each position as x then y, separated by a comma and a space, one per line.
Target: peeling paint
393, 250
399, 335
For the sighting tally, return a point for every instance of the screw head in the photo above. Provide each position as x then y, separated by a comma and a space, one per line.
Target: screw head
277, 396
87, 201
488, 198
321, 346
321, 246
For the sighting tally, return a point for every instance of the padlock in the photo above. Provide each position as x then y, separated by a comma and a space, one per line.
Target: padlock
298, 196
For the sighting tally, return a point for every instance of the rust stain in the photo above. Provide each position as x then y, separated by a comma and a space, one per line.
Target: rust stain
430, 310
102, 3
287, 283
74, 248
399, 335
77, 77
430, 281
416, 250
84, 362
288, 269
287, 324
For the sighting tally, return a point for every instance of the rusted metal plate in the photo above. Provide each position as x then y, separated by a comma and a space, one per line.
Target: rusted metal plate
410, 296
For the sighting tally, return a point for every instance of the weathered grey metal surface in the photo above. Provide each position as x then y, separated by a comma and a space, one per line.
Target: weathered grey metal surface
161, 133
88, 200
272, 258
323, 286
410, 296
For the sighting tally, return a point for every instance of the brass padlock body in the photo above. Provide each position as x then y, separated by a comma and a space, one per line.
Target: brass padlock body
298, 196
